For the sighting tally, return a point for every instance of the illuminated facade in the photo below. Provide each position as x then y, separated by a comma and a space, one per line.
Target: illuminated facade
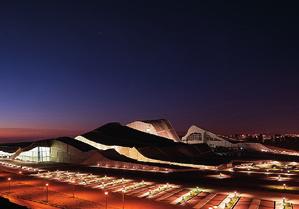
54, 151
133, 153
37, 154
143, 141
5, 154
196, 135
160, 127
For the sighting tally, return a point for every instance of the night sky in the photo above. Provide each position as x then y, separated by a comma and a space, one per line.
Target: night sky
75, 65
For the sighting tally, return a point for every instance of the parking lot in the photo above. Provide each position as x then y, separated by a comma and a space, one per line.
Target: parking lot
174, 195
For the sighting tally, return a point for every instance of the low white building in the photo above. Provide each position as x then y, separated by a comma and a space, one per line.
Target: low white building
196, 135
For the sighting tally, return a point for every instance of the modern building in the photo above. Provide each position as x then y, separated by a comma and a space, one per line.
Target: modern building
148, 148
196, 135
60, 150
146, 143
4, 154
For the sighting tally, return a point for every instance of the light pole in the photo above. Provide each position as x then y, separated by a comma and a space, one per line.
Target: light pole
73, 190
47, 192
123, 197
106, 194
73, 184
8, 179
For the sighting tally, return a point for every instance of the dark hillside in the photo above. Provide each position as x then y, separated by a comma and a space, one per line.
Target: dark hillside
117, 134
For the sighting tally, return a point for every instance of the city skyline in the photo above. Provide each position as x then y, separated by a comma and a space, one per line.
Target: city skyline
25, 134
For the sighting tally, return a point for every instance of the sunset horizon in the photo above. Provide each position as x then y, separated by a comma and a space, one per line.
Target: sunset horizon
149, 104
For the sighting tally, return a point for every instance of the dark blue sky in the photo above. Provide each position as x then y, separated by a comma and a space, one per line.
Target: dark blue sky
77, 65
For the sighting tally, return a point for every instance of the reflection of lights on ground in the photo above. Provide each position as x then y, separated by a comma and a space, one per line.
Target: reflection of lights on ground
270, 167
160, 189
230, 170
183, 199
136, 168
114, 184
293, 163
282, 187
278, 178
20, 168
266, 172
288, 174
219, 176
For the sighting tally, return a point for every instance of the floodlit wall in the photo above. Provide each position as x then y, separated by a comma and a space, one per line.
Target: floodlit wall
144, 127
129, 152
37, 154
133, 153
160, 128
196, 135
5, 154
57, 152
253, 146
64, 153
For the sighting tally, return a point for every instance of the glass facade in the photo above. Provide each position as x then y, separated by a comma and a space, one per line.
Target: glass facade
37, 154
5, 154
194, 137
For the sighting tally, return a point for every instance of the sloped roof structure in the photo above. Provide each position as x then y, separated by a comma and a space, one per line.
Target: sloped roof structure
160, 127
117, 134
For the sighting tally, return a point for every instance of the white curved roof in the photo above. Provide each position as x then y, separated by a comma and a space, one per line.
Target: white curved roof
195, 129
160, 127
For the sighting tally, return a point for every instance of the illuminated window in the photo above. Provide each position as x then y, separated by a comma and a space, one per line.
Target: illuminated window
37, 154
5, 154
194, 137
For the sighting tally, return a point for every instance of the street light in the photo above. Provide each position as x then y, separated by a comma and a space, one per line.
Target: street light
8, 179
123, 197
106, 194
73, 189
47, 192
284, 186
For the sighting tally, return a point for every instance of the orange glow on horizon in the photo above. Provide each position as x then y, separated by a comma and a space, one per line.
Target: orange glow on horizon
28, 133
